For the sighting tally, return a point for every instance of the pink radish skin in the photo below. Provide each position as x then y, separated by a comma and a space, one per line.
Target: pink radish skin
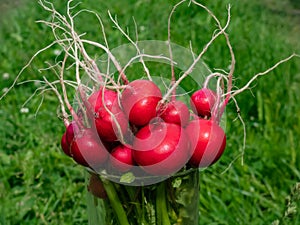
175, 112
107, 127
139, 101
71, 132
97, 100
161, 149
102, 119
87, 149
65, 145
121, 158
203, 101
208, 142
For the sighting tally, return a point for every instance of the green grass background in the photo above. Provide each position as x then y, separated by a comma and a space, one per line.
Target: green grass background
39, 185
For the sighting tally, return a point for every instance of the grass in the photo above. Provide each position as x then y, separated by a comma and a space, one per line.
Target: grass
39, 185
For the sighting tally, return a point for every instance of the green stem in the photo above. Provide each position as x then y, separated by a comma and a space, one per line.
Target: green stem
161, 205
143, 219
115, 202
133, 195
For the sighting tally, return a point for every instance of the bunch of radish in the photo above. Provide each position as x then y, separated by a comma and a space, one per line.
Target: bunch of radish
123, 126
136, 129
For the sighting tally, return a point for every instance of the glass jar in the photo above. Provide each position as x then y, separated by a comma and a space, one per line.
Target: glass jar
173, 201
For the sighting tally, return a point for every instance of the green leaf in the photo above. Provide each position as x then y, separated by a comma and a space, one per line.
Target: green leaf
177, 182
127, 178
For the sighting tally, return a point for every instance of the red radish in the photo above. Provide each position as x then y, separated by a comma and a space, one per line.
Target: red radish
107, 115
110, 145
95, 187
107, 124
71, 132
97, 100
87, 149
65, 145
161, 148
175, 112
121, 158
208, 142
203, 101
139, 101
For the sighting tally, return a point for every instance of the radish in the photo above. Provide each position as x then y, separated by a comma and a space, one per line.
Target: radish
107, 124
139, 101
121, 158
97, 100
65, 145
208, 142
161, 148
95, 187
203, 101
87, 149
107, 117
175, 112
71, 131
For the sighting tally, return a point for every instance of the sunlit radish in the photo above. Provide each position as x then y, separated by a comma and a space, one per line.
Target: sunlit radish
139, 101
121, 158
175, 112
110, 125
203, 101
208, 142
107, 117
161, 148
102, 97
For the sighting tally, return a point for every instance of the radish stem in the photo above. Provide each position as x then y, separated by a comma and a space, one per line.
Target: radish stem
161, 205
115, 202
